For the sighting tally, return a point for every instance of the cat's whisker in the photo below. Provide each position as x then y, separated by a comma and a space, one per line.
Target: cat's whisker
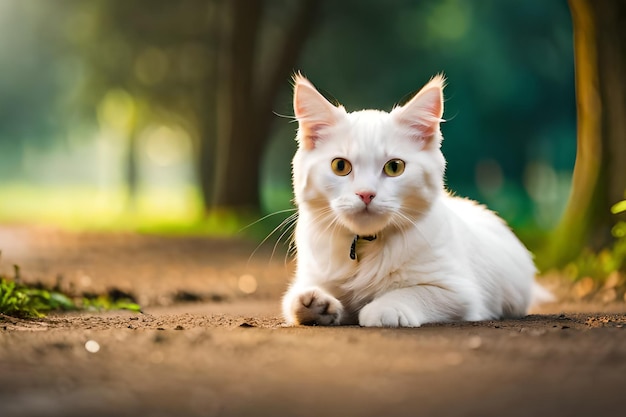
282, 224
329, 229
326, 228
291, 242
291, 248
399, 226
335, 225
286, 116
415, 225
289, 253
320, 213
328, 232
288, 228
267, 216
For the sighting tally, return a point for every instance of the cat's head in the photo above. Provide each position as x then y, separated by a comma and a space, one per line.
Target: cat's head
368, 170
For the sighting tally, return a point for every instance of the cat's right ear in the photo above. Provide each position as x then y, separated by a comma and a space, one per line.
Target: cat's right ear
313, 112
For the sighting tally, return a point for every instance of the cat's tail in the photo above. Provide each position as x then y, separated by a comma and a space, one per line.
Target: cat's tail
540, 295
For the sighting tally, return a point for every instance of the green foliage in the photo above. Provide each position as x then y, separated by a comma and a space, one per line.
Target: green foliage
25, 301
110, 301
34, 301
600, 265
14, 302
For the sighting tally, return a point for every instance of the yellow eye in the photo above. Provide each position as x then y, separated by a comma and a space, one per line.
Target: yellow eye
394, 167
341, 167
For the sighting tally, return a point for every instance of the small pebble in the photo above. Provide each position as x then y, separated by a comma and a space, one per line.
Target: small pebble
92, 346
474, 342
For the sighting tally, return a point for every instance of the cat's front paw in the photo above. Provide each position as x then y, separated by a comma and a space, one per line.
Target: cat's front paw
315, 306
377, 314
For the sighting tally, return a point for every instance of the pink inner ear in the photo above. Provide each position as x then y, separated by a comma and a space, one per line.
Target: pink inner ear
422, 140
300, 108
309, 133
425, 132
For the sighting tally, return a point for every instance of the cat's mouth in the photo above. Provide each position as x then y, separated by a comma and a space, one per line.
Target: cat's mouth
366, 221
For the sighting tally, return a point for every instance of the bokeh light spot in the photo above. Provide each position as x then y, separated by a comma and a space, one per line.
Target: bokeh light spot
247, 284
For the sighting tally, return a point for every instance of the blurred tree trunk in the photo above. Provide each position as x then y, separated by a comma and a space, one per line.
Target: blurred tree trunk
228, 107
237, 146
206, 115
132, 169
244, 100
599, 178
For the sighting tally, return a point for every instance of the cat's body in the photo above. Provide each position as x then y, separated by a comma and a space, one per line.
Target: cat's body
379, 240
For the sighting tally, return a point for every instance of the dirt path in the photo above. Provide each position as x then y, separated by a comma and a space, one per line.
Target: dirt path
228, 354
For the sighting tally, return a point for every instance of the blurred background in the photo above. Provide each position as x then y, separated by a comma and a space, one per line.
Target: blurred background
175, 116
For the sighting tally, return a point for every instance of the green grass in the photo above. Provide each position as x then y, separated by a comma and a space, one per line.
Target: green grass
21, 300
155, 210
600, 265
91, 207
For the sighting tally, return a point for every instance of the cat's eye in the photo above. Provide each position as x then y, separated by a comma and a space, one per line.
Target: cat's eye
394, 167
341, 167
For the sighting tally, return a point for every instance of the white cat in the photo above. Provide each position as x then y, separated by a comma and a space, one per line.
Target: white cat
379, 240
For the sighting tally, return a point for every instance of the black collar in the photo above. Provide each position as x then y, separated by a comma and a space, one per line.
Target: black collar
353, 246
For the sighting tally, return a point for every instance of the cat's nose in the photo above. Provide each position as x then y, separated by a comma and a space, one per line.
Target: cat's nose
366, 196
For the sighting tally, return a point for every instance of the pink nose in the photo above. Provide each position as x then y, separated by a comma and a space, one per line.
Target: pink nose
366, 196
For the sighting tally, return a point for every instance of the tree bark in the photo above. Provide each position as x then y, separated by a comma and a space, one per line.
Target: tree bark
244, 118
206, 109
611, 19
599, 178
237, 146
132, 169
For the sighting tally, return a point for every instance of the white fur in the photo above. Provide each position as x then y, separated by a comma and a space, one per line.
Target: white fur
435, 257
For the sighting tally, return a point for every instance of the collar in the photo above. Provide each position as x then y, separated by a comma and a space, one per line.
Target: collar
353, 246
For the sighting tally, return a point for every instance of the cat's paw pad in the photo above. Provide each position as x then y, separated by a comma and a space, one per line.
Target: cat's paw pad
316, 307
373, 315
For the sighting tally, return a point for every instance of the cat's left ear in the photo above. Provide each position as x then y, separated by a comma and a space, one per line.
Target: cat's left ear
422, 114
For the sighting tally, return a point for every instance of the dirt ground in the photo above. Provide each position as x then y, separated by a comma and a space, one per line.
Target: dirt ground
210, 342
